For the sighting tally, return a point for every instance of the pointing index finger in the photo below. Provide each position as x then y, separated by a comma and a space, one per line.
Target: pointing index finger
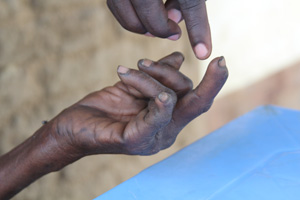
195, 16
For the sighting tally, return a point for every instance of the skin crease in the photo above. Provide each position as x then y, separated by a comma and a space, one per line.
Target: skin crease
154, 18
140, 115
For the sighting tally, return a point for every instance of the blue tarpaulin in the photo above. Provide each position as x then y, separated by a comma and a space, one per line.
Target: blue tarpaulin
255, 157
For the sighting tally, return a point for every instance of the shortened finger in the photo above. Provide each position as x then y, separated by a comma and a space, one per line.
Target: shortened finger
174, 60
168, 76
142, 82
201, 98
148, 123
213, 80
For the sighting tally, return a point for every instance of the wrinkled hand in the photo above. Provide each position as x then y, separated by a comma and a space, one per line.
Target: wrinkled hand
152, 17
142, 114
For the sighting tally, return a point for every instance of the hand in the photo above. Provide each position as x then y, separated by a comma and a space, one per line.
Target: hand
153, 18
142, 114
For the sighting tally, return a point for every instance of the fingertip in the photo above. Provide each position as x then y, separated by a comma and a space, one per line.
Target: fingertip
201, 51
163, 97
145, 63
122, 70
179, 57
174, 15
149, 35
166, 99
174, 37
222, 62
217, 71
218, 66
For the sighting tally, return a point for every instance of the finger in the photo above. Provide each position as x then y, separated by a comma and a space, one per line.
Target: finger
167, 75
213, 80
154, 17
175, 60
173, 10
126, 15
128, 89
142, 82
158, 114
201, 98
195, 16
143, 132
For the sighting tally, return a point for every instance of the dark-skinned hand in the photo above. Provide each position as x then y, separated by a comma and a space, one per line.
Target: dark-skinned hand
154, 18
143, 113
140, 115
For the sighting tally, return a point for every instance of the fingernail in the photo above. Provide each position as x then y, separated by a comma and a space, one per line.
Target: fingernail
222, 62
200, 51
174, 15
149, 34
174, 37
147, 63
163, 97
122, 70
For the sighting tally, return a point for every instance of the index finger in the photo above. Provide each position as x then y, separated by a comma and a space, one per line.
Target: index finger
195, 16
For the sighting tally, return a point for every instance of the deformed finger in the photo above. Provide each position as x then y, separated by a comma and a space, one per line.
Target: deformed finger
152, 119
201, 98
142, 82
213, 80
167, 75
175, 60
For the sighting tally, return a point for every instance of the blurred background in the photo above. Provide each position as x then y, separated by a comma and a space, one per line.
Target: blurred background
52, 53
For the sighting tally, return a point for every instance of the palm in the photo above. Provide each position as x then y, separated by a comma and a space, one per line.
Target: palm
108, 115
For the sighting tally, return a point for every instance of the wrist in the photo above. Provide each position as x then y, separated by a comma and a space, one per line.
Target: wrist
49, 151
39, 155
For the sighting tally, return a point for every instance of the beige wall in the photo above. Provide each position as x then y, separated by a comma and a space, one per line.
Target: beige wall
258, 38
54, 52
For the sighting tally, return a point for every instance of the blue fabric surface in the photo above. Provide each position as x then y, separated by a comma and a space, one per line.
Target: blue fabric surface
256, 156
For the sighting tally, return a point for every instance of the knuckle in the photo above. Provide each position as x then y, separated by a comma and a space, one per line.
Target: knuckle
188, 84
206, 107
202, 104
168, 143
186, 87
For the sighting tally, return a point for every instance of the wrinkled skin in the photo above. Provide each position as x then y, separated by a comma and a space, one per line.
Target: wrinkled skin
140, 115
130, 118
154, 18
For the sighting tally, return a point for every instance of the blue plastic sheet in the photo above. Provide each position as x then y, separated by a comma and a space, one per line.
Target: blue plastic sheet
255, 157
